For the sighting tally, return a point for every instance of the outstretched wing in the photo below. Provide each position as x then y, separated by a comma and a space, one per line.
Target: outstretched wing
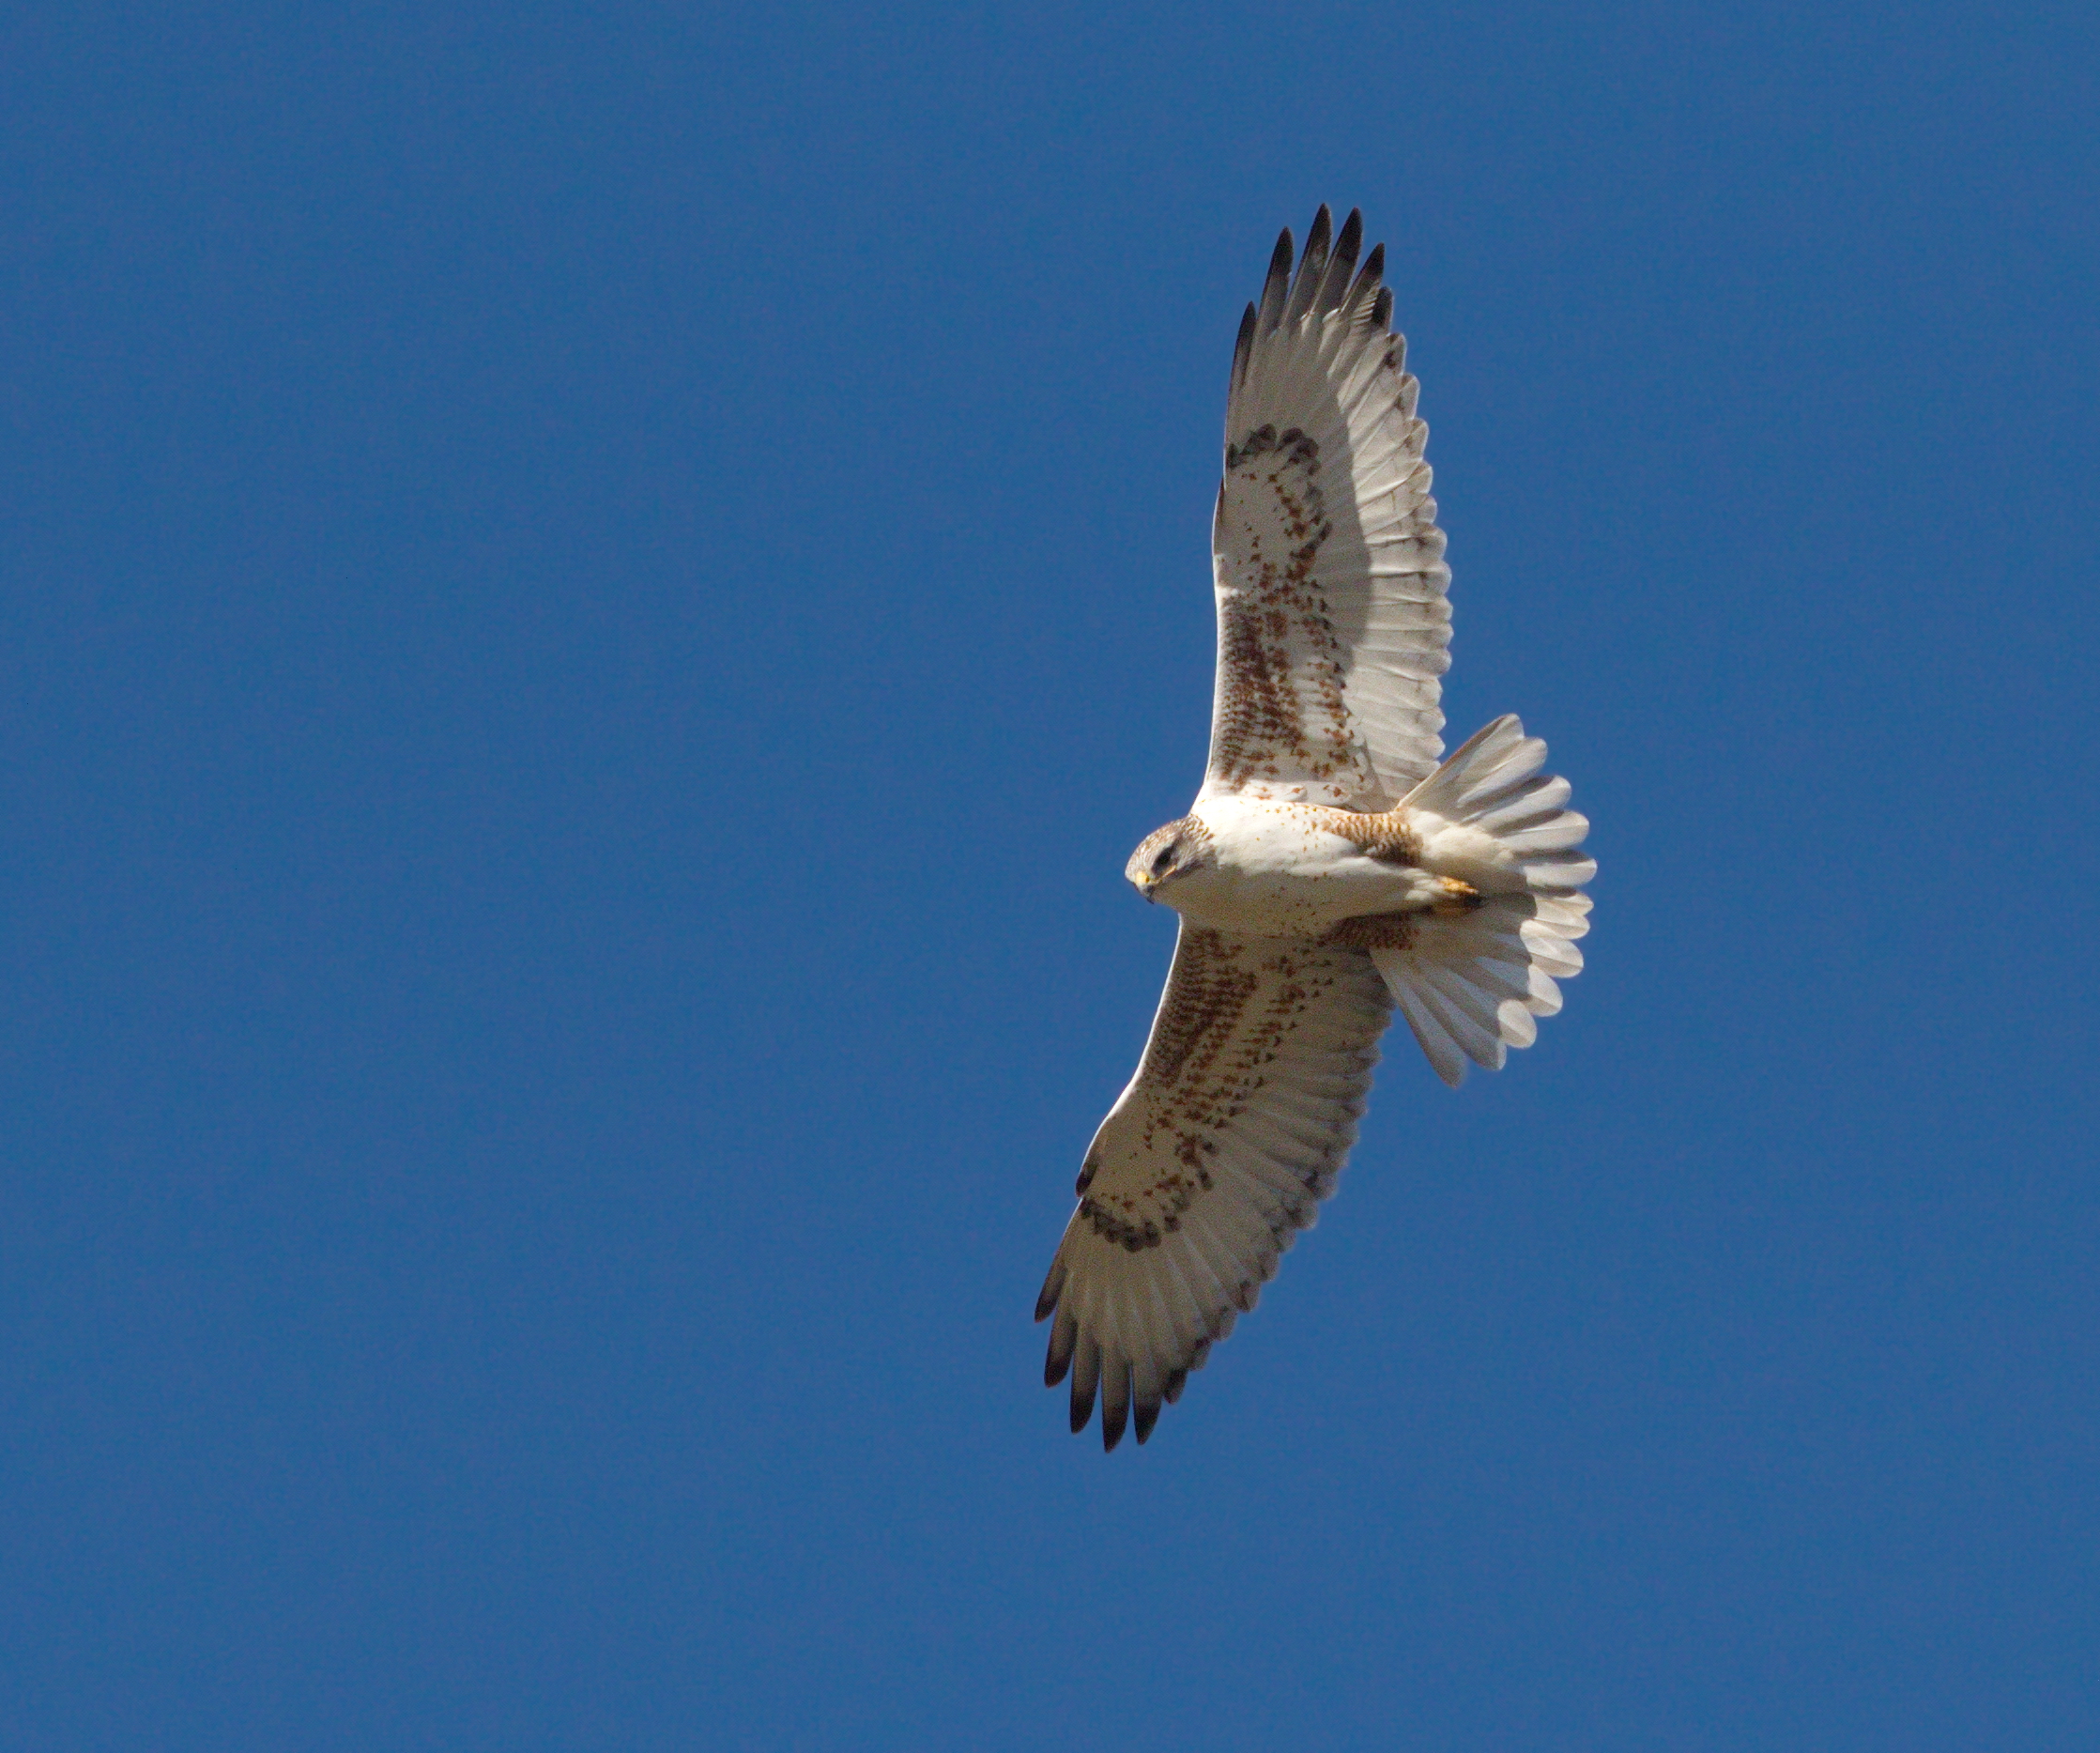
1231, 1133
1332, 621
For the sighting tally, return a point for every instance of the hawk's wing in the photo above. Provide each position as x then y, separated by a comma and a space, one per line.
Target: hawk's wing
1243, 1109
1332, 621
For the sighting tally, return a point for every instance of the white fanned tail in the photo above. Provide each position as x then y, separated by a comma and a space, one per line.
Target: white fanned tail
1472, 984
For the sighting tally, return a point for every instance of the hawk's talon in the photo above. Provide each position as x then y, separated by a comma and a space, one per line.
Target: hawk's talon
1459, 899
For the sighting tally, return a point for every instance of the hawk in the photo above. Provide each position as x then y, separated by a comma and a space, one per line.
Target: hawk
1334, 867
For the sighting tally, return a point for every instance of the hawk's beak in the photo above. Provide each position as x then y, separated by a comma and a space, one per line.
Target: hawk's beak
1146, 884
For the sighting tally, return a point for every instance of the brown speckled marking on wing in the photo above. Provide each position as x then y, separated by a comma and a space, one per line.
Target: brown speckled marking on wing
1239, 1118
1282, 713
1217, 1029
1375, 930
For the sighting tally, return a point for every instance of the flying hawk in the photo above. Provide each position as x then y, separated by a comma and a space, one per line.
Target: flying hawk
1330, 870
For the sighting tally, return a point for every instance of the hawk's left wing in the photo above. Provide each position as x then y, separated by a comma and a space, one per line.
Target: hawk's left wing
1332, 621
1241, 1114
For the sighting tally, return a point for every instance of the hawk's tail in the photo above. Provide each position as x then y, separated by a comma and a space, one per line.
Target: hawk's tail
1472, 982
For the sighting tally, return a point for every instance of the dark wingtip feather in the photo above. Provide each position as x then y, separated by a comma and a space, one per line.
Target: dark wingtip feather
1057, 1356
1365, 288
1053, 1285
1351, 239
1278, 283
1243, 348
1116, 1397
1312, 265
1144, 1415
1083, 1405
1334, 284
1087, 1376
1382, 312
1176, 1383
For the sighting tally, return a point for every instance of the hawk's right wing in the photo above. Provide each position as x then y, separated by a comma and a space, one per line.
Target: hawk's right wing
1241, 1116
1332, 621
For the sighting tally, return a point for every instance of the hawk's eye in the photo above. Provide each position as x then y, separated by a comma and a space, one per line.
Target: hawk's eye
1159, 863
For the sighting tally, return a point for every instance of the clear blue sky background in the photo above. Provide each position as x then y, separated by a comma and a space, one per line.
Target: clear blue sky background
594, 598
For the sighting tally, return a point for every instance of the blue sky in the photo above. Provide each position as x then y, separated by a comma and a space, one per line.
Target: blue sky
594, 599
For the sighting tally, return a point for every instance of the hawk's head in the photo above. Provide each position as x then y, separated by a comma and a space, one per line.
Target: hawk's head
1167, 852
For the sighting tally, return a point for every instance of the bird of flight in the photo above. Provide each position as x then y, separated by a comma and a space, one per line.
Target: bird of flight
1330, 870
